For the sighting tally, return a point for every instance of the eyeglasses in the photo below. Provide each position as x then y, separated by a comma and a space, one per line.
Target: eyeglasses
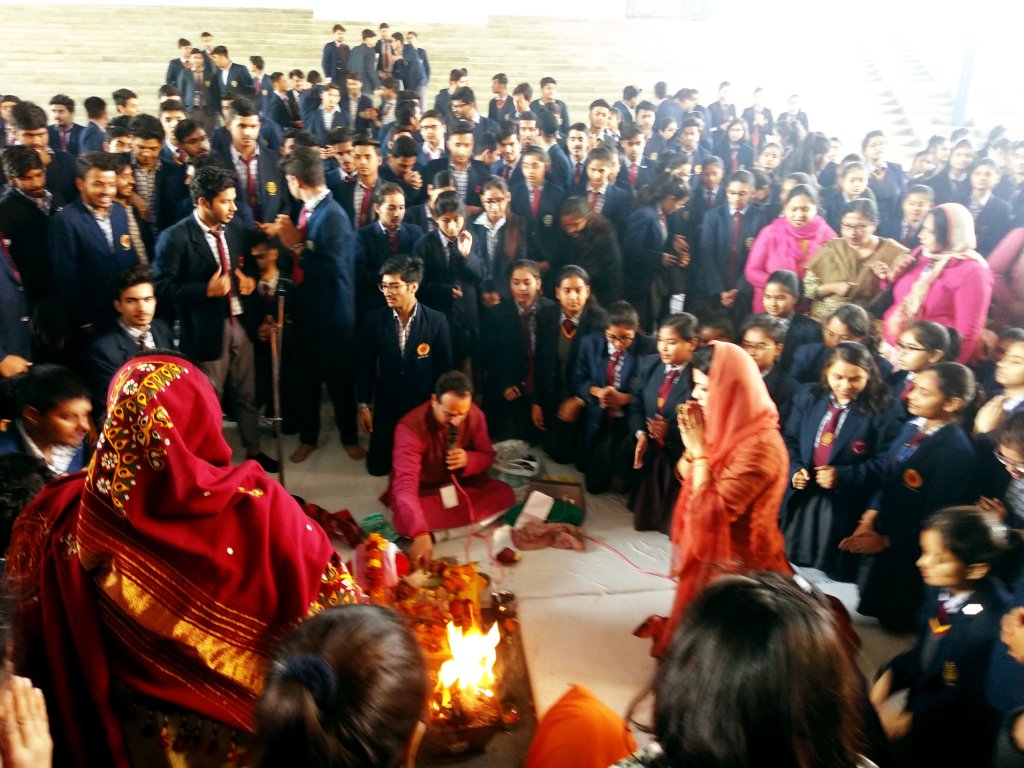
901, 347
490, 201
762, 347
854, 227
1013, 466
619, 339
390, 287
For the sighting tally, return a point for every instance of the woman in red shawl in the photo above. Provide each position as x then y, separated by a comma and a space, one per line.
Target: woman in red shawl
734, 478
162, 569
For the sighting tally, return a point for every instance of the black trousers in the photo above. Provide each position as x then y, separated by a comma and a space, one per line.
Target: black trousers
325, 357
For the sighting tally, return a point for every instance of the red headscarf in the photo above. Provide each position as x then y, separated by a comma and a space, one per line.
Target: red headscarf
188, 572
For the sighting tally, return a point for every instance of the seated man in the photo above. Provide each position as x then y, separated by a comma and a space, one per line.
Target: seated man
439, 468
135, 331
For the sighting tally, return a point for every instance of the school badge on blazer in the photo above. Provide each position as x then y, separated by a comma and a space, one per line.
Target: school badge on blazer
234, 83
548, 220
912, 479
271, 188
126, 241
950, 673
423, 349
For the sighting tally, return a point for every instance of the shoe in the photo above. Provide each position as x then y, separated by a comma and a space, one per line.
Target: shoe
355, 452
302, 453
270, 465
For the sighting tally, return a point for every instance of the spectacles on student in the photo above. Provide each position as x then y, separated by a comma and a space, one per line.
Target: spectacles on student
488, 201
854, 227
1013, 466
390, 287
619, 339
901, 347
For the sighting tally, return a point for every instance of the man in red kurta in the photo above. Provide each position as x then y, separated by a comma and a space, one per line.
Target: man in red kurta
438, 470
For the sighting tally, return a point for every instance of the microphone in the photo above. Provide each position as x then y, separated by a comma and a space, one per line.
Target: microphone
453, 436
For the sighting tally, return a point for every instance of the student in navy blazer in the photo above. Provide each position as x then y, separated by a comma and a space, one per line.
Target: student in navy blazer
363, 103
646, 241
334, 59
75, 136
60, 176
995, 218
15, 331
478, 172
606, 450
227, 75
93, 137
391, 381
323, 309
809, 361
802, 332
858, 453
83, 258
276, 111
373, 248
542, 227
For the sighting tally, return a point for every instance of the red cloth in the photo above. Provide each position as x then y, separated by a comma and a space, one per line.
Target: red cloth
163, 566
581, 731
731, 524
1007, 265
418, 472
780, 245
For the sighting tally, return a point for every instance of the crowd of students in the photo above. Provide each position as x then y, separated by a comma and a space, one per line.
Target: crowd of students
337, 228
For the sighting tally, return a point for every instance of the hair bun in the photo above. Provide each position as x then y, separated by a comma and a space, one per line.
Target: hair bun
314, 673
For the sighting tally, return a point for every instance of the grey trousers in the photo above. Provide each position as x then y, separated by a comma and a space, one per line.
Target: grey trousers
236, 363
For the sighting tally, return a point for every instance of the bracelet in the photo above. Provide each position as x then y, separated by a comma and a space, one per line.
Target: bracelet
697, 458
701, 460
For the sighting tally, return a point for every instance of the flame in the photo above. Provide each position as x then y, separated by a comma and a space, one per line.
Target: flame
470, 671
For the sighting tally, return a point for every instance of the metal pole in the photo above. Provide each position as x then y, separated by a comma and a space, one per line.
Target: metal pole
276, 344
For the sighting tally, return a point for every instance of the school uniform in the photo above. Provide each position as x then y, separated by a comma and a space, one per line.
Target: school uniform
324, 316
362, 61
511, 174
635, 176
60, 176
373, 247
557, 349
508, 356
657, 146
175, 67
26, 225
646, 238
561, 112
344, 193
275, 109
758, 134
15, 311
625, 113
263, 197
12, 441
606, 449
508, 247
542, 224
833, 202
781, 390
315, 122
721, 257
409, 69
412, 196
92, 138
73, 139
719, 113
261, 85
743, 159
949, 190
809, 361
202, 103
945, 672
394, 382
444, 269
888, 186
800, 332
855, 442
917, 481
443, 104
504, 111
112, 349
309, 100
908, 235
991, 224
225, 80
478, 174
614, 203
561, 169
85, 262
359, 124
334, 61
658, 392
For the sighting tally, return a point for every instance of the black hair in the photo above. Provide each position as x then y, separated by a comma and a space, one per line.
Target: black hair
789, 280
339, 135
18, 160
972, 535
921, 189
528, 264
875, 397
622, 313
185, 128
865, 206
860, 324
802, 190
449, 202
442, 180
455, 382
572, 270
577, 207
45, 386
701, 360
94, 107
147, 128
770, 326
27, 116
957, 380
22, 477
932, 336
129, 278
496, 182
64, 101
101, 161
210, 181
410, 268
306, 165
347, 687
385, 189
465, 95
684, 325
1011, 432
242, 107
123, 95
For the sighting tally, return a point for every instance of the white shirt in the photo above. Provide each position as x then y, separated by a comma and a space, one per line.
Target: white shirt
211, 240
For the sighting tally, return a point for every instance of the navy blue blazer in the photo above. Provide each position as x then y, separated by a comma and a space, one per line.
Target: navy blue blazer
238, 75
174, 68
561, 168
85, 264
442, 272
363, 61
172, 196
334, 62
504, 112
425, 60
649, 378
542, 230
644, 242
592, 371
27, 227
946, 678
272, 195
552, 375
393, 381
802, 331
275, 110
112, 349
711, 261
749, 115
412, 196
719, 114
625, 113
92, 138
946, 190
809, 361
479, 173
859, 452
938, 474
15, 331
992, 224
325, 299
61, 174
371, 251
187, 86
618, 204
74, 139
889, 193
514, 177
744, 155
361, 124
409, 69
644, 175
503, 349
313, 121
509, 247
344, 194
183, 266
11, 442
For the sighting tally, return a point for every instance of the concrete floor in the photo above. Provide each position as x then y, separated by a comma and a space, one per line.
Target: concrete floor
578, 609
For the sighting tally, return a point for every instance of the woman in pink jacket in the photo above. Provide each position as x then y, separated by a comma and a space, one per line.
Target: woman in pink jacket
946, 281
1007, 264
789, 242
